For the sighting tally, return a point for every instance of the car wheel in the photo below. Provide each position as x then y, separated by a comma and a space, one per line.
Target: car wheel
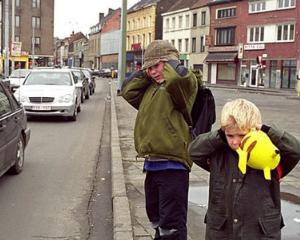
19, 158
87, 96
74, 116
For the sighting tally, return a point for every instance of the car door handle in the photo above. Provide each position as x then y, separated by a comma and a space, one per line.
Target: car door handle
17, 118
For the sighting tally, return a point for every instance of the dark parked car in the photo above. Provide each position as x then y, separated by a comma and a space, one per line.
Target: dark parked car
92, 84
85, 83
14, 133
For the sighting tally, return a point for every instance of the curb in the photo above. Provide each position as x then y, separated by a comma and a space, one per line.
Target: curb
122, 226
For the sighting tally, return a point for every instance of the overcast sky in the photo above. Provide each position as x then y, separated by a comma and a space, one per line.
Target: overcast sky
80, 15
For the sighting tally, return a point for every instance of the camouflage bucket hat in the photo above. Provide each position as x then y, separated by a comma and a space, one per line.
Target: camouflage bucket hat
159, 50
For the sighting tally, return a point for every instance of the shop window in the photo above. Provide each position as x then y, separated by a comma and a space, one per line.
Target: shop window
226, 72
225, 36
272, 74
288, 74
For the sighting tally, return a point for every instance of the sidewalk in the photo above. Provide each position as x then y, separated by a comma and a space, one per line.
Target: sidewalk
130, 220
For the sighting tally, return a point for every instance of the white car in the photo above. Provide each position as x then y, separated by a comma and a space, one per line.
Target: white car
17, 77
50, 92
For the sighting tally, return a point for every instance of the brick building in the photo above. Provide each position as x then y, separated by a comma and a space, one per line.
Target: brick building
34, 19
253, 43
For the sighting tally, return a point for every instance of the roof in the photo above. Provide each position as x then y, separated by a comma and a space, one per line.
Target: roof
221, 57
142, 4
181, 4
200, 3
76, 36
215, 2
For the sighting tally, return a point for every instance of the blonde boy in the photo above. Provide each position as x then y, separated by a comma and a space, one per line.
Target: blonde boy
242, 207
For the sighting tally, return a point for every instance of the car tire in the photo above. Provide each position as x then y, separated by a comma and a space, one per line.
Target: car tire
87, 96
74, 116
19, 158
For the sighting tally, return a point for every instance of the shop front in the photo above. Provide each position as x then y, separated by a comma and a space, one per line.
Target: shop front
223, 68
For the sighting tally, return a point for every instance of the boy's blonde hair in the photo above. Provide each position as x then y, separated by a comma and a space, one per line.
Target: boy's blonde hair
240, 113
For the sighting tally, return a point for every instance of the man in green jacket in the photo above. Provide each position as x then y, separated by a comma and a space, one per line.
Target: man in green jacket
163, 92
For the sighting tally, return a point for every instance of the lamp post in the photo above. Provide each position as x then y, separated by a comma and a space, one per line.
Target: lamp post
6, 40
122, 52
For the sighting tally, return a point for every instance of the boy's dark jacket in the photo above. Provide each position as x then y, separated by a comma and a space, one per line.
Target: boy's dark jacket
242, 207
160, 128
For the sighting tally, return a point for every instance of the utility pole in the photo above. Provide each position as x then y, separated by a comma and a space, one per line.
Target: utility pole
122, 52
12, 31
6, 40
33, 46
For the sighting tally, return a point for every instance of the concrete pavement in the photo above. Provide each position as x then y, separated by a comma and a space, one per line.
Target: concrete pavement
130, 220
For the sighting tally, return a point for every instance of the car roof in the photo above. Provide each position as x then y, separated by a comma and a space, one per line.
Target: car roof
51, 70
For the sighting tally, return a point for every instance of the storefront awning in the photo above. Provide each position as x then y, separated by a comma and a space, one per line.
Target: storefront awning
221, 57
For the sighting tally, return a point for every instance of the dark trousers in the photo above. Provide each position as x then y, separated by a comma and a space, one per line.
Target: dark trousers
166, 195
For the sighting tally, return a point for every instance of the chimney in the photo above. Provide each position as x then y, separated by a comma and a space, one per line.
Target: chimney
110, 10
101, 17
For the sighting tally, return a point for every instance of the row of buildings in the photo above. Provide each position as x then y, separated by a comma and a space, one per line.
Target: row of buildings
235, 42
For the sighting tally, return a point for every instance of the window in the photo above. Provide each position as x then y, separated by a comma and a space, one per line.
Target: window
202, 47
186, 45
150, 21
167, 24
128, 25
180, 45
173, 42
257, 7
17, 21
150, 37
37, 41
225, 36
226, 13
203, 18
36, 22
4, 103
187, 21
256, 34
286, 3
195, 20
286, 32
36, 3
173, 23
180, 22
17, 3
226, 72
17, 38
145, 22
193, 45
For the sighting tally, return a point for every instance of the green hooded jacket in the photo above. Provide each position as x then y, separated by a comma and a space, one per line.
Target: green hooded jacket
160, 127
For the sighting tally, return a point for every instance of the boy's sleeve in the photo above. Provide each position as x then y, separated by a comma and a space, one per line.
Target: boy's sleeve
134, 87
202, 147
181, 84
289, 147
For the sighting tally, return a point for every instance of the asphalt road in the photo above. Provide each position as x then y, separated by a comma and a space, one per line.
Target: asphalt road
54, 197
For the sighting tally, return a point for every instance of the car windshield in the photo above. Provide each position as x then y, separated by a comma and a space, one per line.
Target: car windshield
49, 78
19, 73
86, 73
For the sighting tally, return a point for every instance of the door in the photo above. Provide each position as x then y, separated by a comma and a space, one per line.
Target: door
253, 76
7, 129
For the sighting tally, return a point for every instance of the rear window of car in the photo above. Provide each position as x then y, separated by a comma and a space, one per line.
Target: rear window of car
49, 78
4, 103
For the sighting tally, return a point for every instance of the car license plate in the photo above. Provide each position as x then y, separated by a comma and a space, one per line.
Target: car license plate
41, 108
